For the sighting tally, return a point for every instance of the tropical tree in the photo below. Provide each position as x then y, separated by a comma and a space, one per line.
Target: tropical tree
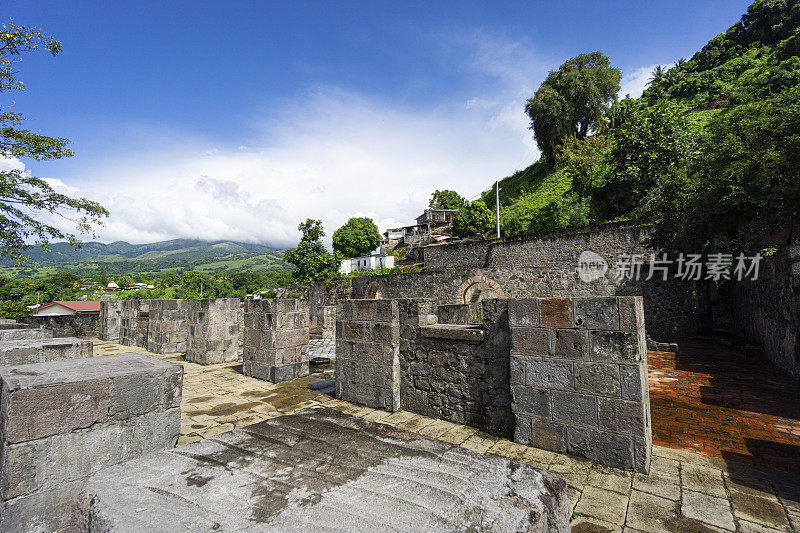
446, 199
572, 101
312, 262
23, 197
359, 236
473, 219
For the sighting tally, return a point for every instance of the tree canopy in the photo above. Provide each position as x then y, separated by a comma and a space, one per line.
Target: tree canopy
312, 262
573, 100
357, 237
23, 197
446, 199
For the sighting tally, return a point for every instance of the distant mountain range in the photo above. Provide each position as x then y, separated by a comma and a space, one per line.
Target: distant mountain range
122, 257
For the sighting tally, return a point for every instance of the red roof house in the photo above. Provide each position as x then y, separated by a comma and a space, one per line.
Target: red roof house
69, 307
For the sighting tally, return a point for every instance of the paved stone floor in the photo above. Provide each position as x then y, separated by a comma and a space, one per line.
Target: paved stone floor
684, 491
713, 400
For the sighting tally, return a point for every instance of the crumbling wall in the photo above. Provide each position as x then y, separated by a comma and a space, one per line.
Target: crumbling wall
79, 325
275, 339
767, 311
62, 421
168, 326
110, 318
214, 331
579, 378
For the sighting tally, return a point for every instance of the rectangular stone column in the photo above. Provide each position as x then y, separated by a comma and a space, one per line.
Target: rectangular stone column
326, 321
579, 378
110, 316
367, 353
168, 327
62, 421
276, 339
134, 323
213, 331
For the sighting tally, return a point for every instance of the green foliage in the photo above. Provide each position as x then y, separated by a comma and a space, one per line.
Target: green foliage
312, 262
446, 199
747, 169
11, 309
474, 219
585, 162
22, 196
572, 101
356, 238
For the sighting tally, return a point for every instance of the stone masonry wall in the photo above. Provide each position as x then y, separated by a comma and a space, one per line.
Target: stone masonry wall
85, 325
63, 421
214, 331
275, 339
110, 317
367, 353
448, 373
767, 311
21, 352
579, 378
168, 326
671, 306
134, 323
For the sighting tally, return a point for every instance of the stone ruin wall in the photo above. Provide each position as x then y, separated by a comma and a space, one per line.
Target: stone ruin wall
564, 374
544, 265
276, 339
767, 311
214, 331
168, 326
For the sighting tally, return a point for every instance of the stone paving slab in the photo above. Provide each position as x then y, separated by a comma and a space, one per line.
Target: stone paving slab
323, 470
218, 398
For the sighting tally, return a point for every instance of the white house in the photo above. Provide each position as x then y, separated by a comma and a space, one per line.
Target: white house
368, 262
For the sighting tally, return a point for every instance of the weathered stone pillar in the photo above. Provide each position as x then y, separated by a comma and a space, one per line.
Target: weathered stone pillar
213, 331
579, 378
367, 353
110, 316
62, 421
134, 322
168, 328
326, 321
276, 339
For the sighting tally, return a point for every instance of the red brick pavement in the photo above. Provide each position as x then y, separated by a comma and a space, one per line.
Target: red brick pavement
713, 400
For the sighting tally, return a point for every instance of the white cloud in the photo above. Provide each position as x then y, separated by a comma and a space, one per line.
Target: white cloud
635, 82
330, 154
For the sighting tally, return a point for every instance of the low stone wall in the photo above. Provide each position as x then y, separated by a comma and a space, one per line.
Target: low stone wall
17, 332
214, 331
87, 325
134, 323
22, 352
367, 352
672, 306
767, 311
63, 421
568, 375
168, 326
275, 339
457, 374
579, 378
110, 316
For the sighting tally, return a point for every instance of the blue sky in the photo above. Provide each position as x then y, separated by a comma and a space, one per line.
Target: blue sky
236, 120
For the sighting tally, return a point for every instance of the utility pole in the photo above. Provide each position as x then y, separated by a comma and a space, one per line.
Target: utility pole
497, 205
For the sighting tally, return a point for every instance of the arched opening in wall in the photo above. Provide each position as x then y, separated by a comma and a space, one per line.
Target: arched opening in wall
374, 291
476, 289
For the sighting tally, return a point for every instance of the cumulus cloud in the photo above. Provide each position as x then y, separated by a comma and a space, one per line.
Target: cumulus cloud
330, 154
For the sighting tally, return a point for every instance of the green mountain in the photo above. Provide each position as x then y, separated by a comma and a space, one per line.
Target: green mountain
121, 257
723, 123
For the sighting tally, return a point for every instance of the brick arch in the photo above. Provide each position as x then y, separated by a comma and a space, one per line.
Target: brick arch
478, 280
374, 291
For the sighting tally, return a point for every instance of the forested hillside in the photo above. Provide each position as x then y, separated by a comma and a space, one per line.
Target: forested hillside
712, 146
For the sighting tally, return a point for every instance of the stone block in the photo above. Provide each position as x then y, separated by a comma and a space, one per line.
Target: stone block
523, 313
622, 416
631, 313
529, 400
602, 447
555, 312
597, 313
572, 408
633, 379
21, 352
517, 370
615, 347
549, 374
548, 434
597, 378
570, 343
530, 341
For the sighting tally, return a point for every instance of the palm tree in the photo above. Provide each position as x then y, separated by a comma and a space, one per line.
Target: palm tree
658, 76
